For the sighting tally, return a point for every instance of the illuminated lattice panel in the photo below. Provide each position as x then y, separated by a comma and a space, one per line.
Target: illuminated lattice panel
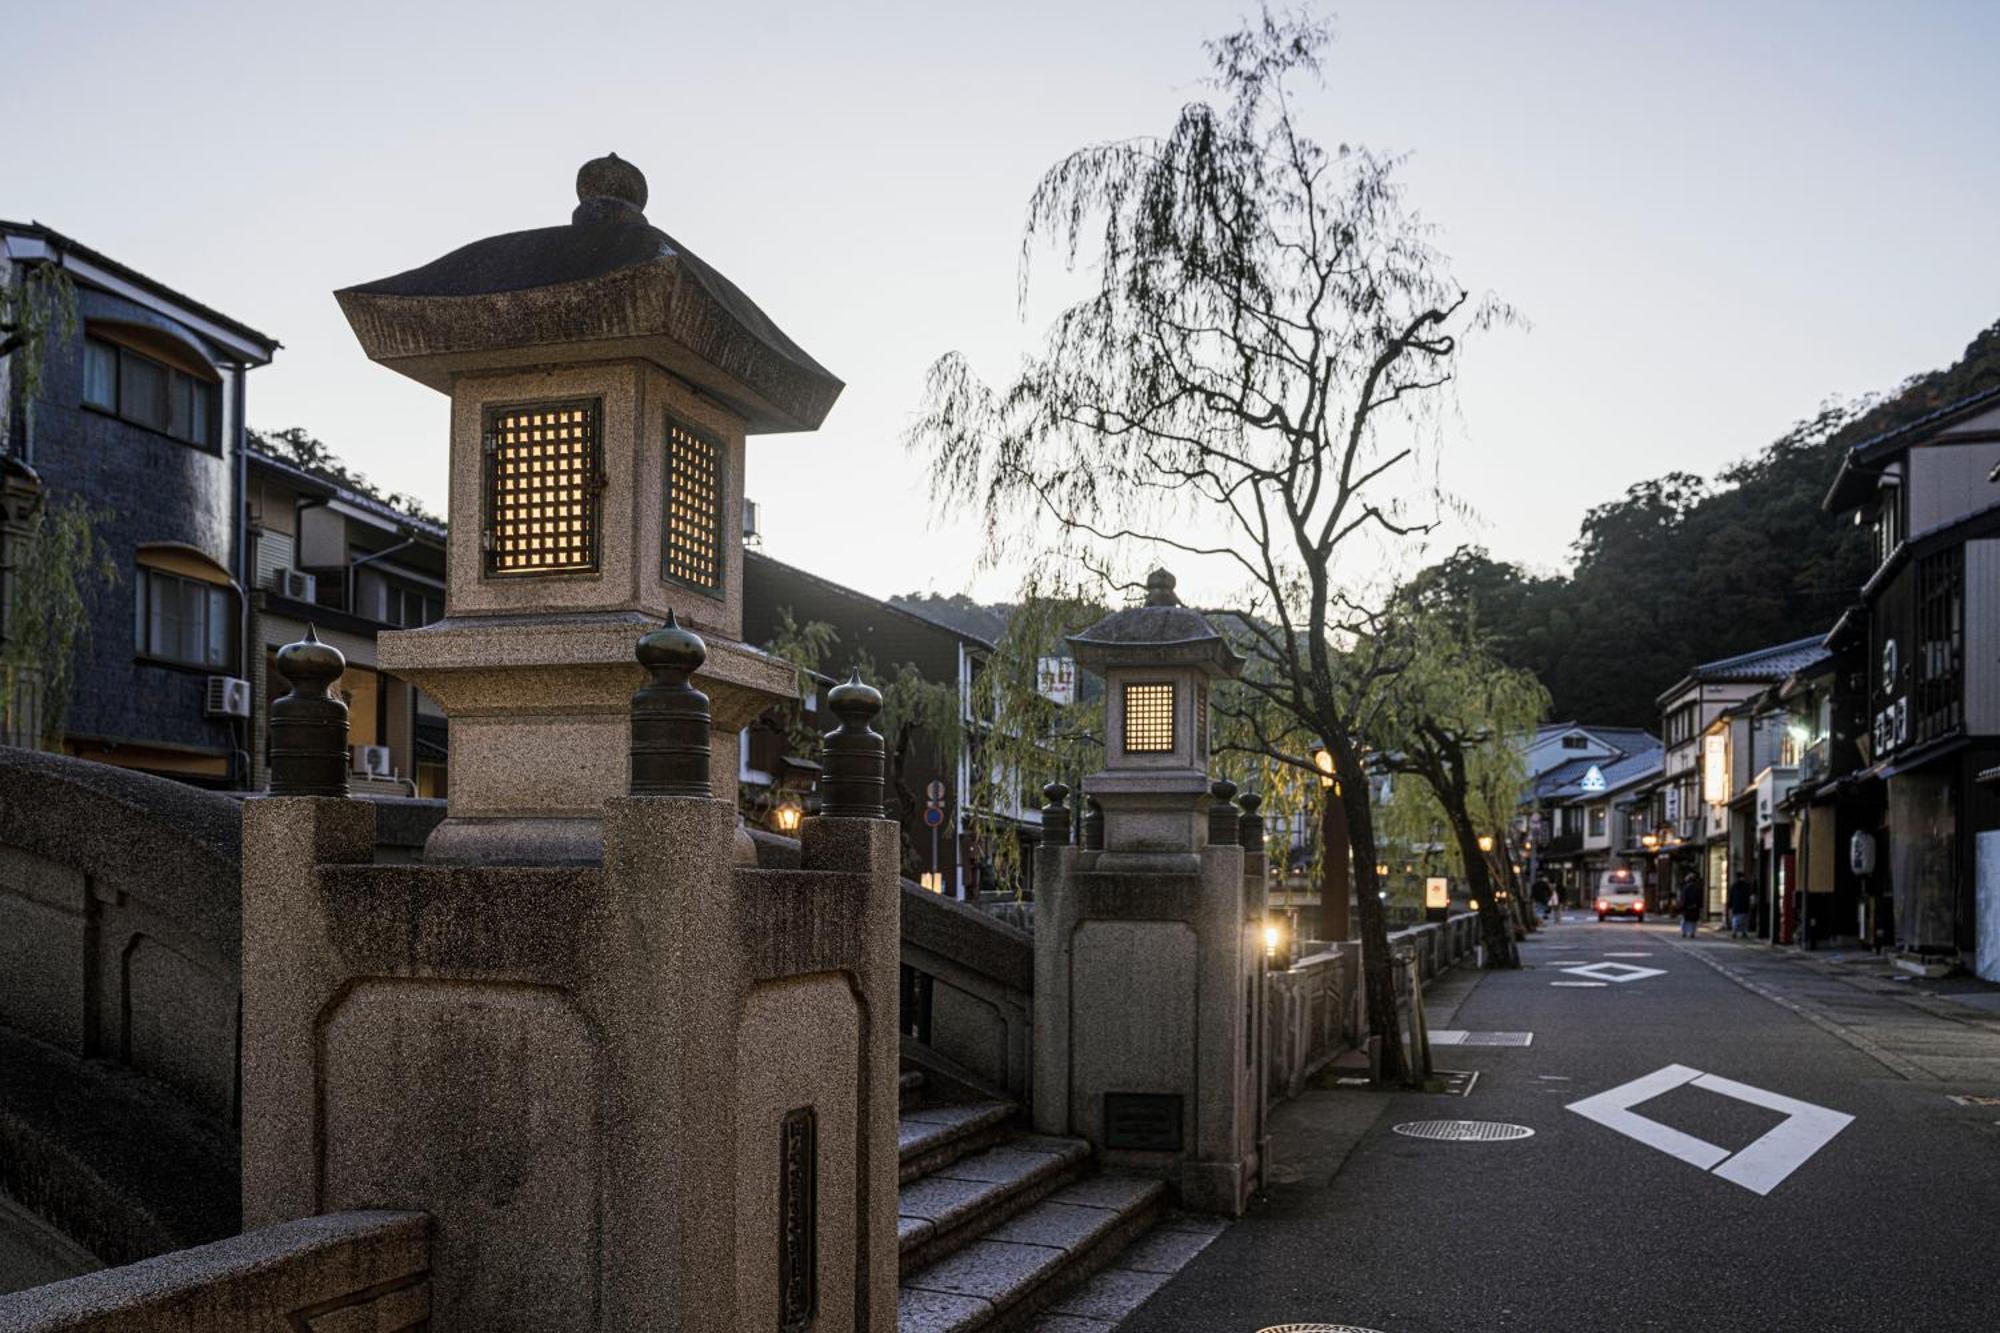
691, 543
542, 489
1149, 718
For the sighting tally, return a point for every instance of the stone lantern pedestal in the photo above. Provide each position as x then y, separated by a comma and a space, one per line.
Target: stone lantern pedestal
1148, 953
633, 1082
603, 381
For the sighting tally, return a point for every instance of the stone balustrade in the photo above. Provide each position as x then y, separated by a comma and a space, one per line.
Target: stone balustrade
340, 1273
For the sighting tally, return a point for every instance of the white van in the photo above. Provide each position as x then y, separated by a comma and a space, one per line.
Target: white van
1619, 893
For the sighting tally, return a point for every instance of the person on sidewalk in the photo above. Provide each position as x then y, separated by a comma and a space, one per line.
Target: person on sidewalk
1690, 903
1544, 895
1738, 903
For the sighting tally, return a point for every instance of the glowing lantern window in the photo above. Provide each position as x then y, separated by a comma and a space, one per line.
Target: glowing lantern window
543, 480
1149, 718
1201, 721
691, 538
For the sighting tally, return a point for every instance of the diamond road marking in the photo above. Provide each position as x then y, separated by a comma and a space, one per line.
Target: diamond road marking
1616, 972
1760, 1168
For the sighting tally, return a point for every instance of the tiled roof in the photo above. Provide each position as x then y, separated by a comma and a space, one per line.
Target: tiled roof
1563, 783
1774, 663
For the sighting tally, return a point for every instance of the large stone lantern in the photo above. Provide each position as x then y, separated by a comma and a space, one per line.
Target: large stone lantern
602, 382
1158, 662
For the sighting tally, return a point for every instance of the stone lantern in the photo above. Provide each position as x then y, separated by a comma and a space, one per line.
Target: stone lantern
602, 381
1148, 938
1158, 662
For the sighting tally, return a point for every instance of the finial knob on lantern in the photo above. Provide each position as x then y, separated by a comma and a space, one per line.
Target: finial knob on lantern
609, 187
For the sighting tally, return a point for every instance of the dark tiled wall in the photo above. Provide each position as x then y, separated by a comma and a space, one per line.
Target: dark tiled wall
147, 488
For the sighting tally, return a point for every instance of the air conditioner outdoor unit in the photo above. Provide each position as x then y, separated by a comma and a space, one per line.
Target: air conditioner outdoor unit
295, 584
228, 697
373, 760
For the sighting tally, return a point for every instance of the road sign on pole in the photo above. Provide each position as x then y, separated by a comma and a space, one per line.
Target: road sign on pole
934, 789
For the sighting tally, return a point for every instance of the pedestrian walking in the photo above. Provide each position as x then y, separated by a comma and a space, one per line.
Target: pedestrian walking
1544, 895
1738, 903
1690, 904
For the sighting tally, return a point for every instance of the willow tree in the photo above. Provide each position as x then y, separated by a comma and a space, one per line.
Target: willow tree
1448, 731
921, 719
1264, 345
1024, 737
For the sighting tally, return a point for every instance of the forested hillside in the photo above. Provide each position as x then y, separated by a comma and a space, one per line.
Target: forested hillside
1680, 570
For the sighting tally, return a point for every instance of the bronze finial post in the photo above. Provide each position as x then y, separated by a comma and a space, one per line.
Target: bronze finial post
670, 718
1222, 816
308, 724
854, 758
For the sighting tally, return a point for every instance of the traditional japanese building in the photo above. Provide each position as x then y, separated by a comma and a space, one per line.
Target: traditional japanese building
1928, 632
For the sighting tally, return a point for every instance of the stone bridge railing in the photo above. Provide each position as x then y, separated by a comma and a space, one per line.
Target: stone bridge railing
341, 1273
120, 971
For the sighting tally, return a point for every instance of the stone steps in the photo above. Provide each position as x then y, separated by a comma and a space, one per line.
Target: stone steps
954, 1204
997, 1225
932, 1137
1025, 1265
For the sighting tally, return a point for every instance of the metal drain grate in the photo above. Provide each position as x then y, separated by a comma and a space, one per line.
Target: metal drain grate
1463, 1131
1315, 1328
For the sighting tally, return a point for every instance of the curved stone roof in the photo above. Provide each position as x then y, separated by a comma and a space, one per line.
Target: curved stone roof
608, 280
1161, 628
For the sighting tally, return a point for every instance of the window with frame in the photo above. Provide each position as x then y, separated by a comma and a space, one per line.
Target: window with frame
691, 521
1149, 717
1596, 821
148, 392
1940, 639
184, 621
544, 485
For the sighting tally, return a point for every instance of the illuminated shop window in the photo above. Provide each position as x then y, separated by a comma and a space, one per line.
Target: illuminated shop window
691, 539
543, 483
1149, 718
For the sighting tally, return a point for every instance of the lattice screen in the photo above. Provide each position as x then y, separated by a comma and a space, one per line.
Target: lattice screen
691, 544
542, 488
1149, 718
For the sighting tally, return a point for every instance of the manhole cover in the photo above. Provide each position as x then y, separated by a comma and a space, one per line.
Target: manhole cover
1472, 1131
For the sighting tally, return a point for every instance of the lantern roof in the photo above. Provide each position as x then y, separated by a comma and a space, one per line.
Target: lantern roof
1161, 631
608, 284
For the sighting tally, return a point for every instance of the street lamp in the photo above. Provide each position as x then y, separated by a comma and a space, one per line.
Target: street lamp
787, 815
1323, 761
1486, 842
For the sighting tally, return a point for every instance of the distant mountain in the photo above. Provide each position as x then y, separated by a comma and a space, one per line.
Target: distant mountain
1681, 570
980, 619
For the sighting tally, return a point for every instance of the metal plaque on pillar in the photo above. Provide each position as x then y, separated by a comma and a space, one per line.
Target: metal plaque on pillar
798, 1220
1142, 1121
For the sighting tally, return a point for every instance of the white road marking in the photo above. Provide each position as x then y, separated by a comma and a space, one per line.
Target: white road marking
1784, 1147
1447, 1036
1645, 953
1761, 1167
1582, 985
1613, 1110
1615, 972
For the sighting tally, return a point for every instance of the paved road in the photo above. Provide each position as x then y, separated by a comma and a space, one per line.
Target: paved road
1681, 1223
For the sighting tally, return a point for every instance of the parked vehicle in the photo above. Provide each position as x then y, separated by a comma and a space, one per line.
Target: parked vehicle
1619, 894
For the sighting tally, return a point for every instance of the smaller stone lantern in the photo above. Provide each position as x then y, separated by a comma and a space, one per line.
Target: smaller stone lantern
1158, 662
1149, 937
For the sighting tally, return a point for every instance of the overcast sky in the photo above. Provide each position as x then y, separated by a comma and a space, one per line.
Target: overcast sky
1713, 214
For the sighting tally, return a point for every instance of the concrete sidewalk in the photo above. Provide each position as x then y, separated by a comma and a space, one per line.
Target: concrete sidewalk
1924, 1029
